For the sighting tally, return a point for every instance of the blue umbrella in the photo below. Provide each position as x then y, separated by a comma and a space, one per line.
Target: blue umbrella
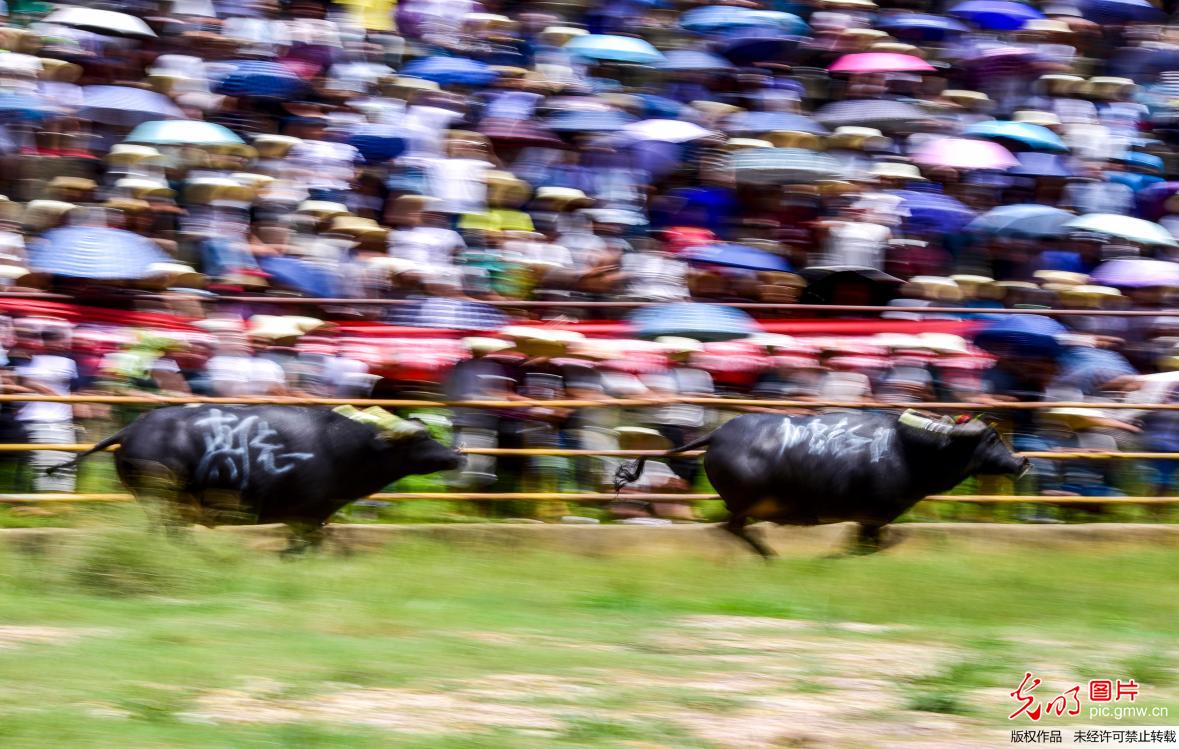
703, 322
933, 212
1036, 164
183, 133
736, 256
614, 48
1022, 220
261, 79
604, 120
1035, 137
754, 123
748, 46
95, 252
17, 106
1022, 335
1120, 11
126, 106
308, 278
999, 15
660, 107
377, 143
715, 18
451, 314
921, 27
693, 60
1136, 272
450, 71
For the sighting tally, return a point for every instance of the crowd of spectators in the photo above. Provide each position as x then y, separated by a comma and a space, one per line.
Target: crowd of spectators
452, 158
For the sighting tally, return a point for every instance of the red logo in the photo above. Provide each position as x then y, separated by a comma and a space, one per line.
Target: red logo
1068, 702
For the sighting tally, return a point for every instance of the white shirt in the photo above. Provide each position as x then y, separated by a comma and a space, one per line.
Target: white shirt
856, 243
327, 165
459, 184
56, 373
233, 375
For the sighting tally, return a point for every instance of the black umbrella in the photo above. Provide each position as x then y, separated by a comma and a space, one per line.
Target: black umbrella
825, 284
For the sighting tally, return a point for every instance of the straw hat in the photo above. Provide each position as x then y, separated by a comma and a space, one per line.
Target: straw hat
166, 275
1046, 26
642, 438
41, 214
207, 190
736, 144
1059, 84
1084, 418
858, 138
10, 210
792, 139
322, 209
505, 189
1060, 277
559, 36
1087, 295
127, 154
19, 275
273, 328
899, 48
357, 227
62, 184
59, 70
142, 188
896, 170
715, 108
1106, 86
564, 198
483, 345
967, 280
679, 345
1037, 117
272, 146
937, 288
944, 343
127, 205
541, 341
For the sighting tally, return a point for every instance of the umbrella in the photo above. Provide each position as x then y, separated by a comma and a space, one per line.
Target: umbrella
755, 123
1035, 137
1022, 335
961, 153
95, 252
1036, 164
736, 256
603, 120
183, 132
261, 79
1000, 62
751, 46
1135, 273
880, 62
311, 279
1126, 227
933, 212
883, 114
1120, 11
999, 15
100, 21
377, 142
716, 18
1152, 200
613, 48
125, 106
921, 27
519, 133
1022, 219
451, 314
450, 71
824, 282
667, 131
692, 60
783, 165
15, 106
703, 322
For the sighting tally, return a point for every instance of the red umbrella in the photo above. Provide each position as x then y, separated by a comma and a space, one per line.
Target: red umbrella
880, 62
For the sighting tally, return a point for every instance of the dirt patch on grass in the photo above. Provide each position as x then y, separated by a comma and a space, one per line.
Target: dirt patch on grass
16, 636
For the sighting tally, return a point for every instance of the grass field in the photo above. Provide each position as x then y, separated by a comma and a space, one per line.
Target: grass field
122, 640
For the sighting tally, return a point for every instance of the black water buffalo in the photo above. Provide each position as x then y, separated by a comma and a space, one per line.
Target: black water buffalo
865, 467
227, 465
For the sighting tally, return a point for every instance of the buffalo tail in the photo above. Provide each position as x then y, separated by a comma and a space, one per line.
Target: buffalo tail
114, 439
628, 473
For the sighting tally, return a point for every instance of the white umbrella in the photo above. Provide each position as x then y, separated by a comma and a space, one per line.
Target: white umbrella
1129, 228
667, 131
100, 21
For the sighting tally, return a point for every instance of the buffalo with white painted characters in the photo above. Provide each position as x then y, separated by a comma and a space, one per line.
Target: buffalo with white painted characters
298, 465
835, 467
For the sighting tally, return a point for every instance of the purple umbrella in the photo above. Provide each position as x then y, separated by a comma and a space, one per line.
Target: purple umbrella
1000, 15
1136, 273
1152, 200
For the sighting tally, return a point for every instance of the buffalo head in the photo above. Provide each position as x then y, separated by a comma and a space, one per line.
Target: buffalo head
989, 454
